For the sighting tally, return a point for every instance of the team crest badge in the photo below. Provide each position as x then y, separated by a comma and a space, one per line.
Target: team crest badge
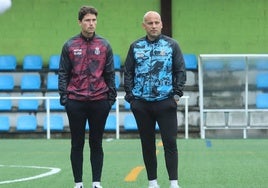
97, 51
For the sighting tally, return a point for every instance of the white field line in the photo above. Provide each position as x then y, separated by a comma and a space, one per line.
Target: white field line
49, 173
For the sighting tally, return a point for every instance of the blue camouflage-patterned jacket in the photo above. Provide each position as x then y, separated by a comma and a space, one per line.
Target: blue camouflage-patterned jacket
154, 70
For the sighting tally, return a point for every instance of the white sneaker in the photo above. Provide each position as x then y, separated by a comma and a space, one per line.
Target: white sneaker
154, 186
79, 185
175, 186
97, 186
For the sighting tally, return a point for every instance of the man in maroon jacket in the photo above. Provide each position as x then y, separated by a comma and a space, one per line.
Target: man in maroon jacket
87, 90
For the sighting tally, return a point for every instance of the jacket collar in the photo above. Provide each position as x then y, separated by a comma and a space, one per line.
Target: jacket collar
155, 41
87, 38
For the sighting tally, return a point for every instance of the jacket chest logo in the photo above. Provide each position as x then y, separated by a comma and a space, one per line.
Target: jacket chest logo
77, 51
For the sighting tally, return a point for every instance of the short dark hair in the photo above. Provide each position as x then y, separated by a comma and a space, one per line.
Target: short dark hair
86, 10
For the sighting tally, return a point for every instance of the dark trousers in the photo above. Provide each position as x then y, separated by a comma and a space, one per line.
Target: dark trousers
79, 112
165, 114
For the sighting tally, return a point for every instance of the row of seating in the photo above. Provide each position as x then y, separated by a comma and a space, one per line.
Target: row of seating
35, 62
234, 65
29, 123
54, 104
33, 82
33, 104
30, 104
236, 119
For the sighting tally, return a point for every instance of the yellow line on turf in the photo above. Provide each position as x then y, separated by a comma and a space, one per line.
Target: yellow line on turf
134, 173
132, 176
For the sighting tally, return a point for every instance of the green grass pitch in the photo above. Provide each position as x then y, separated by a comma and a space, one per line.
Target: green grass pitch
202, 163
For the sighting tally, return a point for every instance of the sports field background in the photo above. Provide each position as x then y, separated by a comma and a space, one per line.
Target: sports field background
203, 163
200, 26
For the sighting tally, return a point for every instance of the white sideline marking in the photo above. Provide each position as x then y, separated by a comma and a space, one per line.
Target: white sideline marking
49, 173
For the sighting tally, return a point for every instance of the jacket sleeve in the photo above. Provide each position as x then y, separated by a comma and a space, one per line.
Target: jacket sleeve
109, 76
179, 73
129, 72
64, 74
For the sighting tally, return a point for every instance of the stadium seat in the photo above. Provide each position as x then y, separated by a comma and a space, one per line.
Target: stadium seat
262, 100
237, 65
30, 82
258, 118
28, 104
8, 62
54, 104
4, 123
6, 82
237, 119
262, 64
262, 81
54, 62
117, 81
117, 62
213, 66
130, 123
215, 119
157, 127
110, 123
26, 123
114, 106
32, 62
5, 104
190, 61
126, 105
56, 122
52, 82
87, 126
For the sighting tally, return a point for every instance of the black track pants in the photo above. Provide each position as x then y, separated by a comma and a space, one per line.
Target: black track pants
165, 114
95, 112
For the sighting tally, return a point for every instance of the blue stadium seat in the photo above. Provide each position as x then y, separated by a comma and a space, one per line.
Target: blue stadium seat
117, 81
5, 104
262, 81
26, 123
56, 122
130, 123
117, 62
262, 64
8, 62
4, 123
190, 61
237, 65
28, 104
213, 65
110, 123
52, 82
114, 106
156, 126
32, 62
6, 82
54, 104
126, 105
30, 82
87, 126
262, 100
54, 62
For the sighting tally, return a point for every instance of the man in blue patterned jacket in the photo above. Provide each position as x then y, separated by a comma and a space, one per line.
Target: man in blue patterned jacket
87, 90
154, 79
